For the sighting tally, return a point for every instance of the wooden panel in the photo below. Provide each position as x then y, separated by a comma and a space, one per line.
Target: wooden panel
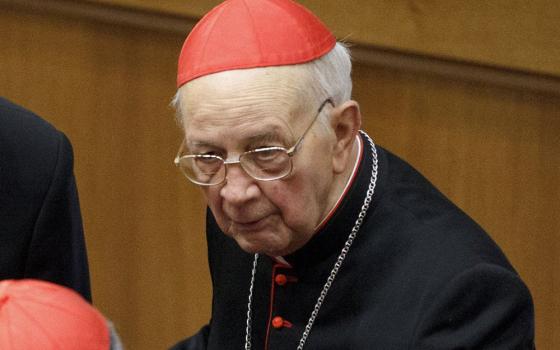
494, 152
193, 8
510, 33
108, 88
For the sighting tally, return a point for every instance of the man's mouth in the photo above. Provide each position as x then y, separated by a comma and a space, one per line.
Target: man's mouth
249, 225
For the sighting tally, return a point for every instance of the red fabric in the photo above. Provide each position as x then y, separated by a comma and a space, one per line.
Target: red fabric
38, 315
252, 33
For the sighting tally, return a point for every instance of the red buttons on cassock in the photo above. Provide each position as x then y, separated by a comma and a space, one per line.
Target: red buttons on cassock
277, 322
280, 279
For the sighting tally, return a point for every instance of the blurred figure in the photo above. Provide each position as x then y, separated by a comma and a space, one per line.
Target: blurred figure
39, 315
41, 233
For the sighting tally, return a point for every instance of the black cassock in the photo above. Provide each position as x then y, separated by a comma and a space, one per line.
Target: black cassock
420, 275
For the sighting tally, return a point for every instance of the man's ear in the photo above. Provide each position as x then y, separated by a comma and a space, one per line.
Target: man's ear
345, 121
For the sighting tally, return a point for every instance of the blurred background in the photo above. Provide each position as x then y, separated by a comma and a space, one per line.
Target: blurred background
466, 91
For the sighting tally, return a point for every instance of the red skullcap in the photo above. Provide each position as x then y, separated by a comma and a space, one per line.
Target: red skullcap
38, 315
252, 33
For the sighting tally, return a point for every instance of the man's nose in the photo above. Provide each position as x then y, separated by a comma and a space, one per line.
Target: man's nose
239, 187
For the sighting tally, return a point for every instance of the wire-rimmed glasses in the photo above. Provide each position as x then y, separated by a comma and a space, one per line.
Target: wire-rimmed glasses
263, 164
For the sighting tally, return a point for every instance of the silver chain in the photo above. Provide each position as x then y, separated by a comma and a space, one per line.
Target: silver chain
337, 264
248, 329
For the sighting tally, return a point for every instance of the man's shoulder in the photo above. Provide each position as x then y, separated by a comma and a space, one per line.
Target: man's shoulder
18, 122
30, 150
414, 212
411, 197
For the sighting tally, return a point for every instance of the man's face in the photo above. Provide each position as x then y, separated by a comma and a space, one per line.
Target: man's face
233, 112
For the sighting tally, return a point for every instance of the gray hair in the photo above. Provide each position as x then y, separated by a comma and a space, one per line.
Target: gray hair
330, 74
329, 77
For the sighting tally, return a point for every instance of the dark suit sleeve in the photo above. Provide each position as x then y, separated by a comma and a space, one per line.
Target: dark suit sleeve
57, 250
485, 307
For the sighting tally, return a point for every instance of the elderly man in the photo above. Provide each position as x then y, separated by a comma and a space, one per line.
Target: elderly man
317, 237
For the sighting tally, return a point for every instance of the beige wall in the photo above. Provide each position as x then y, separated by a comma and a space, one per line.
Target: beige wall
492, 148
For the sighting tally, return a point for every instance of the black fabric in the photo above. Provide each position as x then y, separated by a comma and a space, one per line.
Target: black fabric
41, 233
420, 275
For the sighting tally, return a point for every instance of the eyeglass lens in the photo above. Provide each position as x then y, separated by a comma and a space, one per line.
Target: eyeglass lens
263, 164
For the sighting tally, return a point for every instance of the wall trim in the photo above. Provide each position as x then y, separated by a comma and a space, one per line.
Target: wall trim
362, 54
107, 13
456, 69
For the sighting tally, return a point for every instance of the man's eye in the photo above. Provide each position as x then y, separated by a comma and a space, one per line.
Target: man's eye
207, 164
207, 159
265, 155
209, 153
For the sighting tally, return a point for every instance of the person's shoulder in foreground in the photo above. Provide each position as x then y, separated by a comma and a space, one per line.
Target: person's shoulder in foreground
317, 237
41, 234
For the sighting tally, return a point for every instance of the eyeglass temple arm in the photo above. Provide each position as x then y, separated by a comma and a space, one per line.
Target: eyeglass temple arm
296, 146
178, 156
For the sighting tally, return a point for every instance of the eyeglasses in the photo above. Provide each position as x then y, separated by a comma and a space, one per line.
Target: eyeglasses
263, 164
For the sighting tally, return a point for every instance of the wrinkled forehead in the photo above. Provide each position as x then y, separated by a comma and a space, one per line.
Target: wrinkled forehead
231, 96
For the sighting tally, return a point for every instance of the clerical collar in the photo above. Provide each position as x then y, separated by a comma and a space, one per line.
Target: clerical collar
343, 196
351, 179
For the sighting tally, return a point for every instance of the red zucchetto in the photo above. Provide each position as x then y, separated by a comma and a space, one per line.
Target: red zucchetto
241, 34
42, 315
